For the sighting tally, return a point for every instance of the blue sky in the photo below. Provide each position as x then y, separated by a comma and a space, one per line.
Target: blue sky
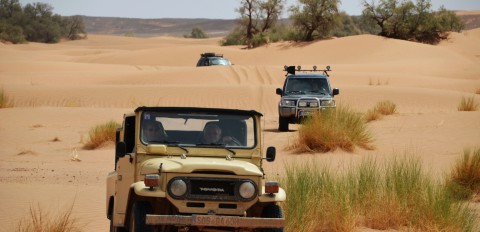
214, 9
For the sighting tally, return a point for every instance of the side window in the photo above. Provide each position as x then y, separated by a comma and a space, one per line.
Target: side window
129, 135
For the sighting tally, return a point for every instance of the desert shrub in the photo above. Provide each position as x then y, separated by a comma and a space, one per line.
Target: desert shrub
386, 108
381, 108
372, 115
5, 101
39, 220
196, 33
236, 37
395, 195
468, 104
101, 134
331, 129
464, 179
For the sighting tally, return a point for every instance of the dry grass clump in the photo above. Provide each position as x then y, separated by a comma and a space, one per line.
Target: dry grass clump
5, 101
40, 221
381, 109
331, 129
395, 195
371, 82
101, 134
464, 179
468, 104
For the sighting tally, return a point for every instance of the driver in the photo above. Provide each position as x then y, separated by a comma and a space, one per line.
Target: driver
212, 134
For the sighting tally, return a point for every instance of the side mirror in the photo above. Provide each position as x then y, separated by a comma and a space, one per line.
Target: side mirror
120, 149
335, 91
271, 152
279, 91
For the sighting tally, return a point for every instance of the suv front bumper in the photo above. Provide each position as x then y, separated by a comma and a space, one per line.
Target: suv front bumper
296, 114
215, 221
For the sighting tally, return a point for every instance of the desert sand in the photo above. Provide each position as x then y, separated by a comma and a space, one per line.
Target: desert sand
62, 90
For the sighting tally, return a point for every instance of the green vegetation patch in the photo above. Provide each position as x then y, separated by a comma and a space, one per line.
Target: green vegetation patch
393, 195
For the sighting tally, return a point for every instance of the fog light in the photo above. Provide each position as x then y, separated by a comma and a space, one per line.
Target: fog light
247, 190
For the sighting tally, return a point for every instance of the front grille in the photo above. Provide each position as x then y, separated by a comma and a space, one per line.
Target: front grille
212, 189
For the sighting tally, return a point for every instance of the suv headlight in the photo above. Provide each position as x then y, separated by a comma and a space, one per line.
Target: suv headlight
247, 190
177, 187
328, 102
287, 102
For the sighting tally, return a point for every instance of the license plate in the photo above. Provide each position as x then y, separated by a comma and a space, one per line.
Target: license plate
302, 113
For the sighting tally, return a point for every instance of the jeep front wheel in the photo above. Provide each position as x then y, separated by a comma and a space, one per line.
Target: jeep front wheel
139, 215
282, 123
272, 211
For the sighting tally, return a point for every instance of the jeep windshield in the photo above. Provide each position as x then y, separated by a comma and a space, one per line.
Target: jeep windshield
198, 129
307, 86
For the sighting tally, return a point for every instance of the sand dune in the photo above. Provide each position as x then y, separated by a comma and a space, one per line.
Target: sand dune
62, 90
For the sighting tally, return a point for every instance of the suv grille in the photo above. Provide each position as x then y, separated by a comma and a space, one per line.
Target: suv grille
212, 189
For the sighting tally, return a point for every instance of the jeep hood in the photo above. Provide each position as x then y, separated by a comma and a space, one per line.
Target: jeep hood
195, 164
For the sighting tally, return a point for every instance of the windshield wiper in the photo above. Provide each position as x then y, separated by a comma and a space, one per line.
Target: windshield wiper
171, 143
294, 91
316, 91
222, 145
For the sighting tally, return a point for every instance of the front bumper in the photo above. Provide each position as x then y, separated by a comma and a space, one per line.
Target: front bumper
296, 114
215, 221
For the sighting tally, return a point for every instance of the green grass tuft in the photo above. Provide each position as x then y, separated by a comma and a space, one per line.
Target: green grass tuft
101, 134
395, 195
468, 104
464, 179
331, 129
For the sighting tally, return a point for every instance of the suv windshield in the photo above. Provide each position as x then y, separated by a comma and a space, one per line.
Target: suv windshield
296, 86
197, 130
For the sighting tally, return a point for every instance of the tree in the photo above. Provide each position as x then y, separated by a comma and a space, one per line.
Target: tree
315, 18
411, 21
379, 13
10, 15
257, 18
74, 27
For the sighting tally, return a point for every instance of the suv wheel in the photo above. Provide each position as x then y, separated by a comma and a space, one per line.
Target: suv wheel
139, 215
272, 211
282, 123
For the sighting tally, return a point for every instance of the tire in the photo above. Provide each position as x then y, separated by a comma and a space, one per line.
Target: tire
272, 211
116, 229
282, 123
139, 215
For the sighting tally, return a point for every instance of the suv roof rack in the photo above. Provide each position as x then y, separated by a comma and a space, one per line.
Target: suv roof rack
211, 54
293, 69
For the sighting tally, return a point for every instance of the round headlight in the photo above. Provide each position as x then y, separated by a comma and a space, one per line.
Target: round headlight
247, 190
178, 187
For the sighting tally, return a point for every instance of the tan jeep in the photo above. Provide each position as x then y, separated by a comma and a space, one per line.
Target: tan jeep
192, 169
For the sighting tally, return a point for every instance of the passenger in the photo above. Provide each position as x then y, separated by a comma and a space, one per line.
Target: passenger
153, 131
